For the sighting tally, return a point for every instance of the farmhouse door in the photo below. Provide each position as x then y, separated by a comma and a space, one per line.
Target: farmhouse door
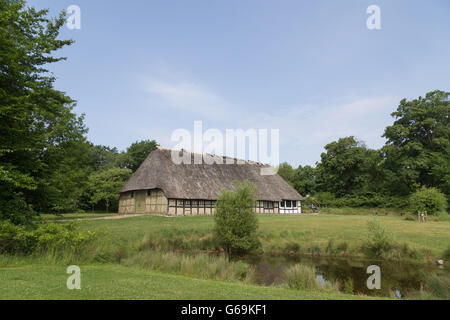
140, 201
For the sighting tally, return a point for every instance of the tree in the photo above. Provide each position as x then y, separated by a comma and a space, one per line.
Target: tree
236, 221
286, 171
430, 200
104, 186
104, 157
305, 181
63, 188
138, 151
347, 167
36, 121
417, 150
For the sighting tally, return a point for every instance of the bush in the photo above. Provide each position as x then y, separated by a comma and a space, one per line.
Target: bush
379, 241
372, 201
430, 200
51, 236
292, 247
325, 198
301, 277
236, 221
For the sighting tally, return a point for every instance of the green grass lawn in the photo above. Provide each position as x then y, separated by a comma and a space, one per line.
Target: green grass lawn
309, 230
36, 278
119, 282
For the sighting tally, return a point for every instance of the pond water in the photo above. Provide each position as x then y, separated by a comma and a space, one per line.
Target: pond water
398, 279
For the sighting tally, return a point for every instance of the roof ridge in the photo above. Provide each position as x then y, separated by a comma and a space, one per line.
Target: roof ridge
213, 155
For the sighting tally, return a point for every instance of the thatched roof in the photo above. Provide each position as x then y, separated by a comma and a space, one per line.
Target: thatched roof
205, 181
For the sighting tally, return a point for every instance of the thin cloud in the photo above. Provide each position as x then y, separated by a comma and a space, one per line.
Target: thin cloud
188, 96
304, 131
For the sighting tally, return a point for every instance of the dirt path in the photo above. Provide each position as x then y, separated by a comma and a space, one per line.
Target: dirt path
107, 217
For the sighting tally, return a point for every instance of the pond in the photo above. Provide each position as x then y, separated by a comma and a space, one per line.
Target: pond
398, 279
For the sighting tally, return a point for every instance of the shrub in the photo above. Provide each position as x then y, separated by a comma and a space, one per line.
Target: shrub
292, 247
379, 241
331, 249
236, 221
16, 238
49, 236
430, 200
325, 198
301, 277
355, 201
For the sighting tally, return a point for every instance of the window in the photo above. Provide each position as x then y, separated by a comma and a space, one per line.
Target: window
288, 203
148, 192
294, 204
132, 194
187, 203
268, 205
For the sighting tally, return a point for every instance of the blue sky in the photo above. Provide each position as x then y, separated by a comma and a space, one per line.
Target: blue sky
141, 69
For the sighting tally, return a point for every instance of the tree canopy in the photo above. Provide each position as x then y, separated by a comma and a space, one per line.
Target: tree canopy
138, 151
37, 124
416, 154
46, 162
417, 150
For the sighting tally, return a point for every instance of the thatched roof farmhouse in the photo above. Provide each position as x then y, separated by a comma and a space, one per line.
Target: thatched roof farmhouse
163, 187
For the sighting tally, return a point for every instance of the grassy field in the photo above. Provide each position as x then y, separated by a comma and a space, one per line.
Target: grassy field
116, 266
75, 216
119, 282
277, 230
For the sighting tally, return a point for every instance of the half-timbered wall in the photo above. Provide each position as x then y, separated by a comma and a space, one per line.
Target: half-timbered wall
148, 201
183, 207
126, 203
156, 203
266, 207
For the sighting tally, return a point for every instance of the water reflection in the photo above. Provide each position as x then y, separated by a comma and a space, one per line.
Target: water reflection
397, 279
